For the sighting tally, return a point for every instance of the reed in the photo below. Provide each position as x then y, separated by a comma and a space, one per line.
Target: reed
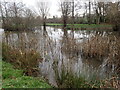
28, 60
67, 79
103, 47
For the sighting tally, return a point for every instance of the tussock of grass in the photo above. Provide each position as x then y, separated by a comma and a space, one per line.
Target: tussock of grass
14, 78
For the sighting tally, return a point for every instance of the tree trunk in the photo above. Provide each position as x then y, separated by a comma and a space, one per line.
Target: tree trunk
65, 21
44, 22
89, 13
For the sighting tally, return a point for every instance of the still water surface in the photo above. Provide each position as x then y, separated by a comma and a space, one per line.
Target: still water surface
64, 48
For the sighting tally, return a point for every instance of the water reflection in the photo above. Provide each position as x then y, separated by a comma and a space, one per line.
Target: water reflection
63, 48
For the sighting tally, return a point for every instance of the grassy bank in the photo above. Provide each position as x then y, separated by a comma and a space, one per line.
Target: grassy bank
84, 26
14, 78
20, 68
0, 73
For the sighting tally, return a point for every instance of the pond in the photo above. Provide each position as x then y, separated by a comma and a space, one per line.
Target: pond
84, 53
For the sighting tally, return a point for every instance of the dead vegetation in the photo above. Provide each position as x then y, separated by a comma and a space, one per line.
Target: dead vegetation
22, 53
103, 47
28, 60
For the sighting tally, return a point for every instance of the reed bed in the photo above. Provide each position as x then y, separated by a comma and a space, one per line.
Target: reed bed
21, 52
105, 47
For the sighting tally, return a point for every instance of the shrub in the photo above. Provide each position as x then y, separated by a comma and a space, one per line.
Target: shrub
116, 21
28, 60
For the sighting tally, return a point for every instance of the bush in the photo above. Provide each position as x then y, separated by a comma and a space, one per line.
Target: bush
116, 21
28, 60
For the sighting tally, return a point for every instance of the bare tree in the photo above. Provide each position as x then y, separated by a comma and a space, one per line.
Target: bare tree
98, 11
89, 21
16, 16
115, 15
112, 10
43, 8
16, 12
29, 19
76, 6
1, 14
11, 12
65, 8
4, 13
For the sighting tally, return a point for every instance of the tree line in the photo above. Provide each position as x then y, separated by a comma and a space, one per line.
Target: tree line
17, 16
94, 12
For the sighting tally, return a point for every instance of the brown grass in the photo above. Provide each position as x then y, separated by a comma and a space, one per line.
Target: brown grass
70, 47
113, 82
96, 46
107, 47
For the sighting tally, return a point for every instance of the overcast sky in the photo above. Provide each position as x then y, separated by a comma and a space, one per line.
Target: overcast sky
53, 6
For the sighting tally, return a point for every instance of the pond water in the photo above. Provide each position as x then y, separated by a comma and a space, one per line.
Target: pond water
64, 48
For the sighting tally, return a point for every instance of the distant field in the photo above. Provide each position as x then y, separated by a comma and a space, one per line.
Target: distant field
83, 25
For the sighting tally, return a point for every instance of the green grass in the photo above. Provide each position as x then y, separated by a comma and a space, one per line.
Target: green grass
54, 24
82, 25
91, 25
14, 78
0, 72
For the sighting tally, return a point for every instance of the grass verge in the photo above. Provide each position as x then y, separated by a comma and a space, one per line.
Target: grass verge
14, 78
